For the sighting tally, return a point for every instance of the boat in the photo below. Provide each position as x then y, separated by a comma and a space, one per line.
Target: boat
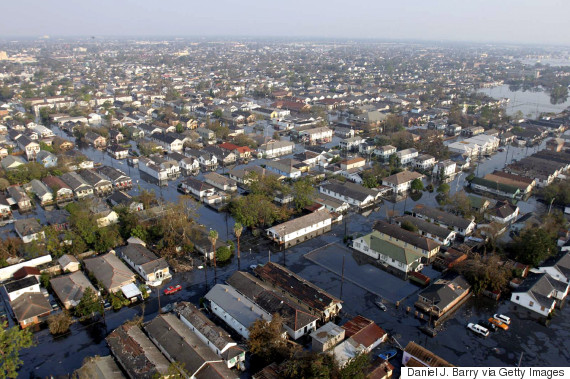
381, 306
478, 329
387, 354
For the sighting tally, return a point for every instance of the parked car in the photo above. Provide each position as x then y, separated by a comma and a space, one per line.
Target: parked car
478, 329
172, 289
486, 324
498, 323
503, 318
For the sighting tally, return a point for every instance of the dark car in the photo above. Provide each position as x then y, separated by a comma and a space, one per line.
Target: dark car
488, 325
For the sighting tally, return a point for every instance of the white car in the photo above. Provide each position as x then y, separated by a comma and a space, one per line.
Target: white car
503, 318
478, 329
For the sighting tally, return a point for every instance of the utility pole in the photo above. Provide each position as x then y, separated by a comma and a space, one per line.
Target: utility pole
269, 255
342, 277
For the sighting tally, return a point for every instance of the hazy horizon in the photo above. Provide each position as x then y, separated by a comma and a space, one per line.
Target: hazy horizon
510, 21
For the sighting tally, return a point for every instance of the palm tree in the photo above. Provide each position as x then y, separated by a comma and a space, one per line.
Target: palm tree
238, 228
213, 237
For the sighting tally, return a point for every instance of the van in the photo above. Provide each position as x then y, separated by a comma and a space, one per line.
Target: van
478, 329
503, 318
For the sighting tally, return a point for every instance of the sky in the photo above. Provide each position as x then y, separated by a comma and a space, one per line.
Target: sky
511, 21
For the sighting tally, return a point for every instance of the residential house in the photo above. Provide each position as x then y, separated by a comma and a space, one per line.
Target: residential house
189, 166
540, 293
101, 186
242, 152
557, 267
351, 143
169, 142
99, 368
31, 309
443, 295
17, 196
349, 164
300, 229
46, 159
207, 161
110, 271
61, 144
296, 321
68, 263
423, 246
331, 204
61, 191
95, 139
286, 283
462, 226
225, 157
245, 175
42, 192
124, 199
363, 335
103, 214
77, 184
19, 287
524, 184
385, 152
175, 340
136, 353
437, 233
207, 135
29, 229
528, 220
407, 156
401, 181
424, 162
5, 210
275, 149
218, 340
488, 186
326, 337
503, 212
155, 171
418, 356
118, 178
221, 182
316, 135
234, 309
118, 151
197, 188
352, 193
282, 169
144, 262
29, 146
11, 162
444, 169
70, 288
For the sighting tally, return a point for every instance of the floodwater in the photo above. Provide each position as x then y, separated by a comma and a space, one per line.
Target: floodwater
542, 346
528, 102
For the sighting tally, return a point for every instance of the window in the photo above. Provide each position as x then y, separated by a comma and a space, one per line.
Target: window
530, 303
518, 297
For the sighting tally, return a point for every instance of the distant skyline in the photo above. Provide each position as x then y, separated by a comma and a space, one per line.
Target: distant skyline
500, 21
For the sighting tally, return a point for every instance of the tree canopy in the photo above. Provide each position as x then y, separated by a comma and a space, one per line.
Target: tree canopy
12, 340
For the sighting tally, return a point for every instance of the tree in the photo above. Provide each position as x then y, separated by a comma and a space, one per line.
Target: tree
266, 341
461, 204
484, 273
223, 253
409, 226
417, 185
89, 304
59, 323
303, 193
443, 188
238, 229
213, 237
118, 300
533, 246
356, 367
218, 113
310, 365
12, 340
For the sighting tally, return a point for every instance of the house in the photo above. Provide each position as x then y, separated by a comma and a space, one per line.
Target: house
61, 191
5, 210
70, 288
11, 162
349, 164
528, 220
61, 144
110, 271
29, 229
221, 182
243, 152
99, 368
144, 262
424, 162
95, 139
17, 196
178, 344
525, 185
118, 178
331, 204
77, 184
159, 170
503, 212
503, 190
441, 235
103, 214
25, 272
218, 340
189, 166
118, 151
444, 169
46, 159
443, 295
245, 175
101, 186
557, 267
407, 156
42, 192
136, 353
351, 143
207, 161
124, 199
283, 169
169, 142
418, 356
401, 181
276, 149
352, 193
197, 188
363, 335
296, 321
207, 135
316, 135
540, 293
31, 309
300, 229
326, 337
68, 263
234, 309
19, 287
286, 283
396, 259
462, 226
385, 152
30, 147
116, 136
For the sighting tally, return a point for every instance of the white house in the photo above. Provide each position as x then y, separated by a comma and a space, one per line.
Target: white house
301, 229
353, 194
503, 212
29, 229
559, 268
144, 262
424, 162
407, 156
444, 169
401, 181
461, 225
539, 293
276, 149
283, 169
385, 151
17, 288
351, 143
234, 309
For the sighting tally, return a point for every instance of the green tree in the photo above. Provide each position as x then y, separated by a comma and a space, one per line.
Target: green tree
238, 229
409, 226
303, 193
218, 113
310, 365
266, 341
356, 367
223, 253
89, 304
443, 188
59, 323
533, 246
417, 185
12, 341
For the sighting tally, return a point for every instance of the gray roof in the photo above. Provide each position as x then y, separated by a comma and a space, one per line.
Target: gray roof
93, 178
424, 226
348, 189
112, 173
70, 288
236, 305
110, 271
39, 188
74, 181
99, 368
27, 226
141, 256
442, 217
401, 234
443, 291
540, 287
301, 222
